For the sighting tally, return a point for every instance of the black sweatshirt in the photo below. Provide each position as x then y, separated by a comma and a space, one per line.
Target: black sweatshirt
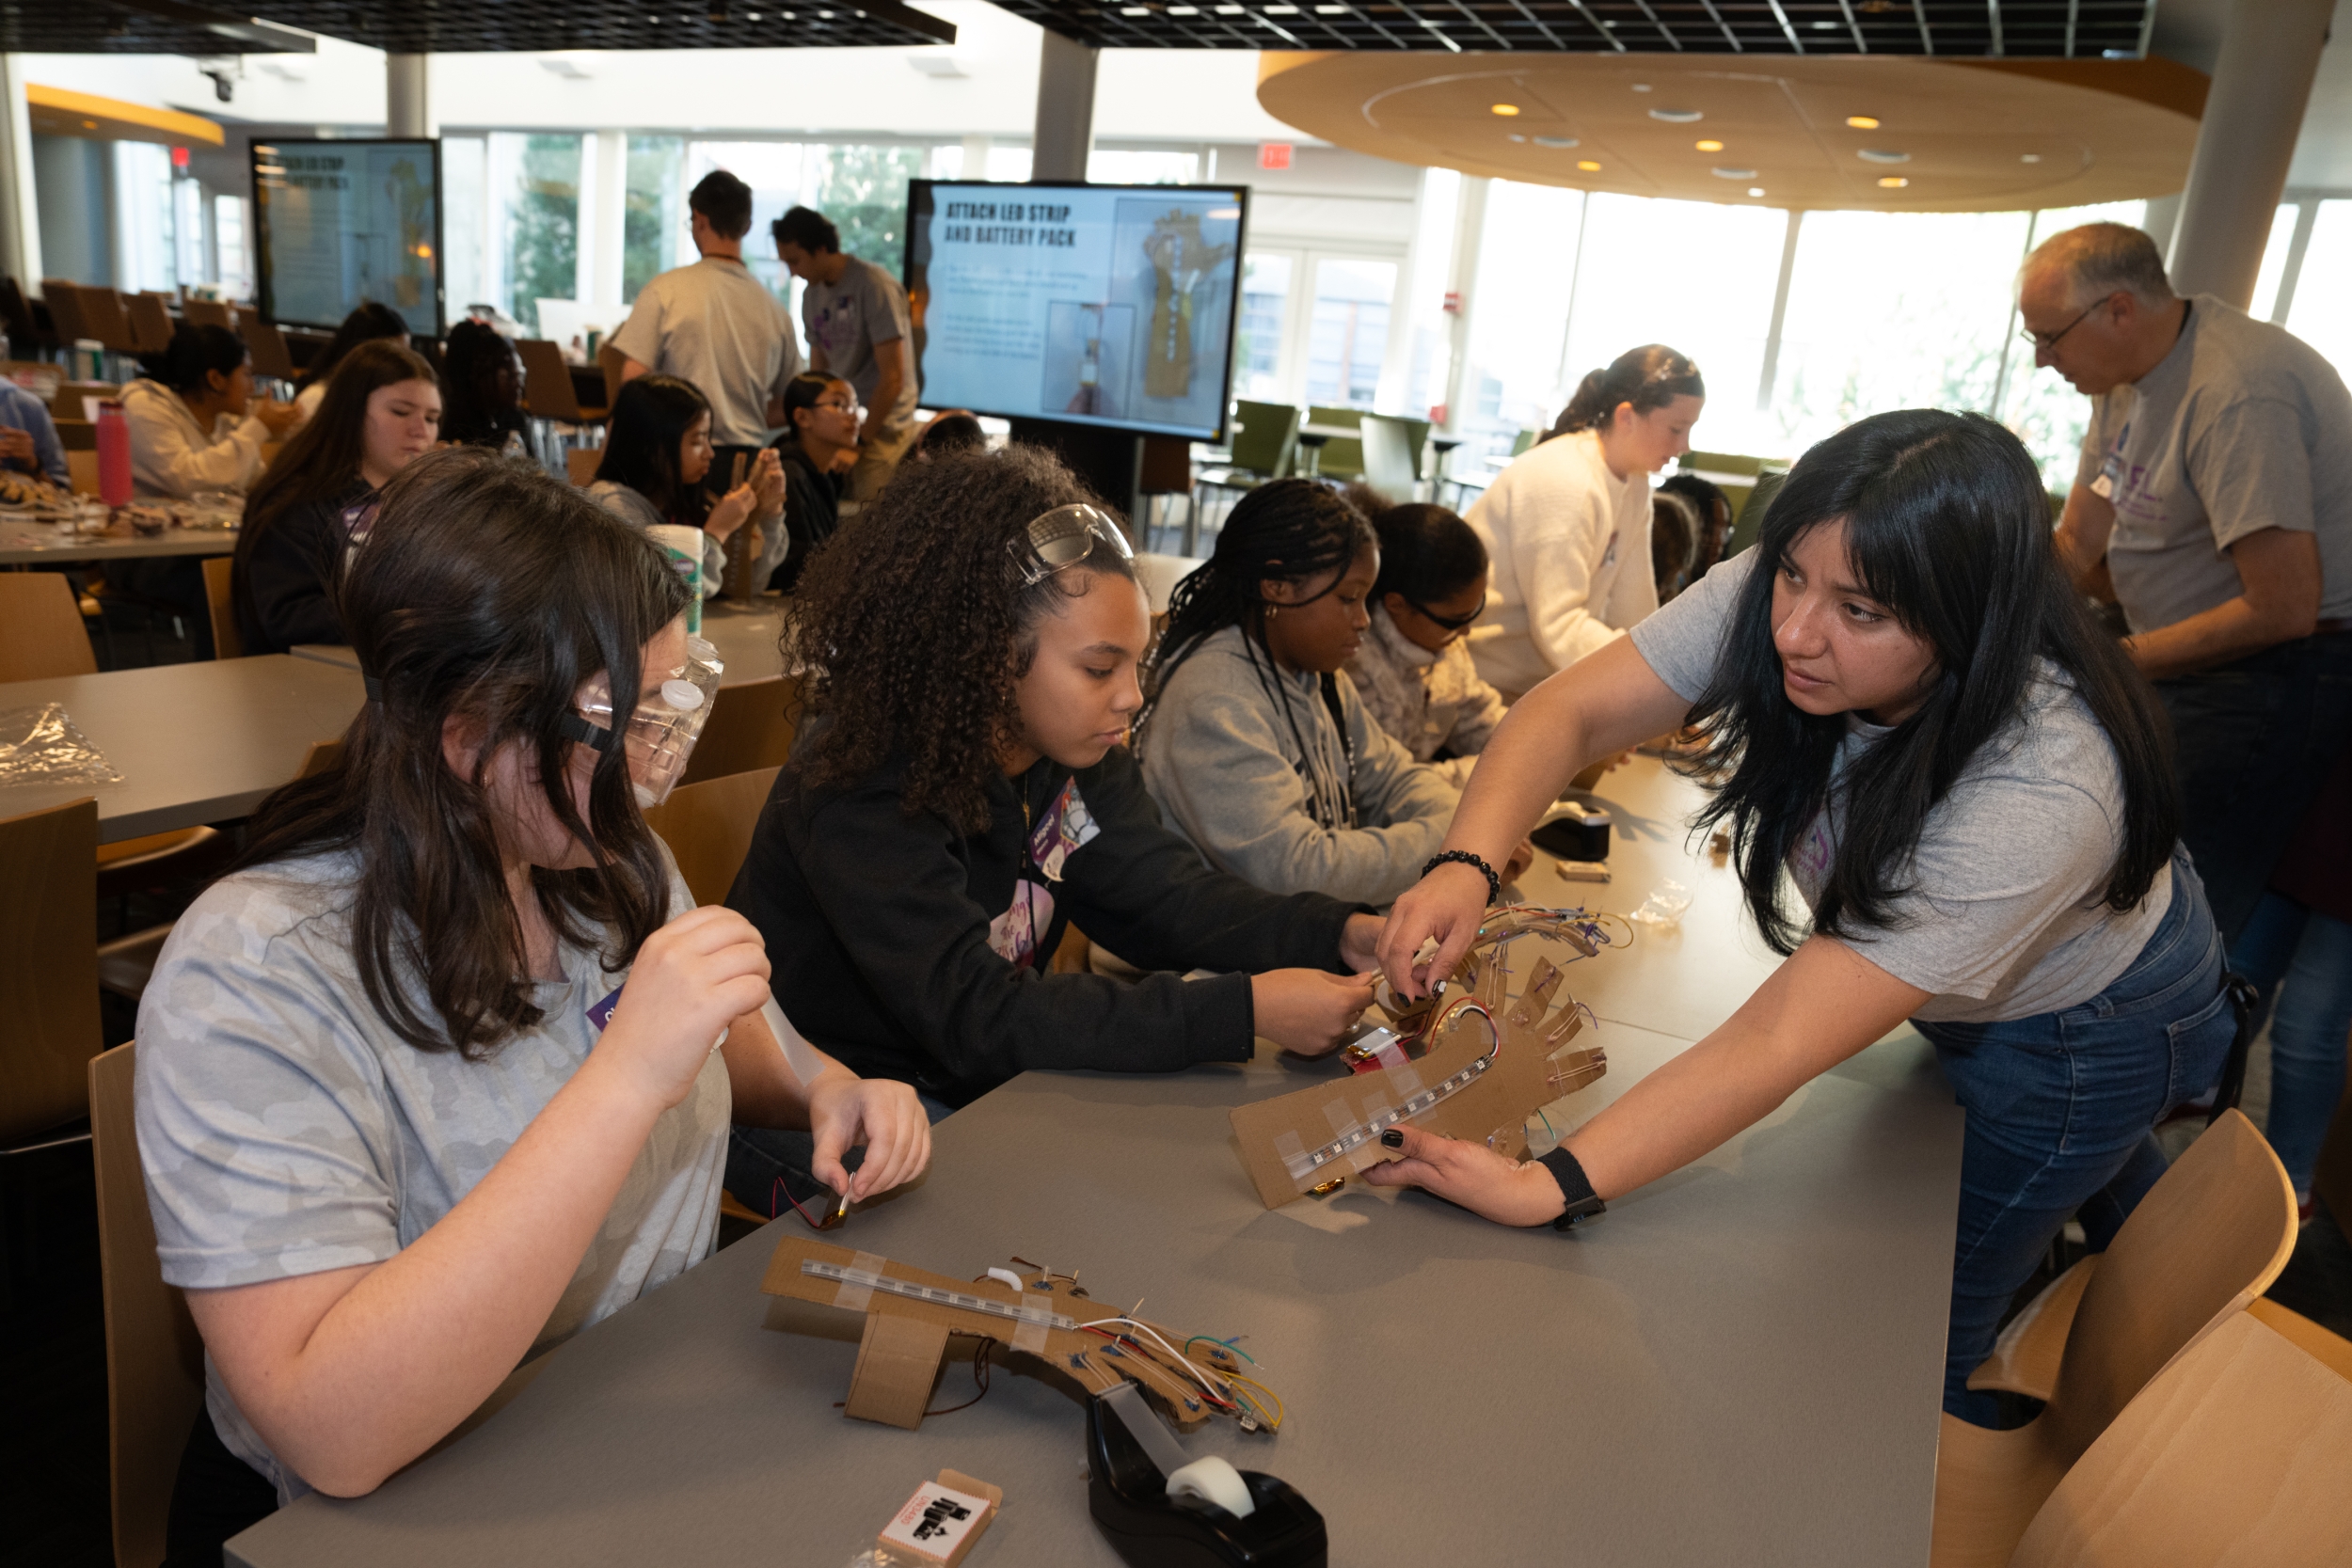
812, 510
892, 937
280, 585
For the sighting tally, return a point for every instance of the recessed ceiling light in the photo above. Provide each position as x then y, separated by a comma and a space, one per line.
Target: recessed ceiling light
1641, 86
1555, 141
1507, 110
1863, 122
2030, 158
1588, 165
1883, 155
1678, 117
1282, 10
1709, 144
1331, 10
1892, 181
1733, 173
1515, 137
1823, 26
1230, 11
1755, 190
1183, 10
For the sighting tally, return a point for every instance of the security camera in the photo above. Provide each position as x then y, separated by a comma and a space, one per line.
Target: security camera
226, 71
224, 85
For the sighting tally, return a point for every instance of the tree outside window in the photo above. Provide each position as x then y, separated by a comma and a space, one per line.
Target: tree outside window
864, 191
654, 225
543, 227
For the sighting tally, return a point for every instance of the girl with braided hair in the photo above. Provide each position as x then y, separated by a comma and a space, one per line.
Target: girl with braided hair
1255, 744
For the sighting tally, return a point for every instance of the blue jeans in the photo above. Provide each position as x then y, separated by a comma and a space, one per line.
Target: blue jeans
2060, 1106
2311, 953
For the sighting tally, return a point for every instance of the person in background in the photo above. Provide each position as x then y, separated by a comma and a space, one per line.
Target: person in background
953, 430
657, 452
382, 411
369, 324
1412, 669
194, 422
1695, 516
28, 437
1255, 746
482, 389
858, 327
427, 1083
817, 446
2213, 502
716, 326
962, 796
1567, 525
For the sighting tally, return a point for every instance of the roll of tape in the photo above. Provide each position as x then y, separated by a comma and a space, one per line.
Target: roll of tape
1213, 1480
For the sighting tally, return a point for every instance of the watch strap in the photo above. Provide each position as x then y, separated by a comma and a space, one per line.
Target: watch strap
1575, 1186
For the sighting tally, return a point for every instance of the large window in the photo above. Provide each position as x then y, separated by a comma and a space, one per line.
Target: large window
2321, 313
542, 200
1265, 288
1347, 337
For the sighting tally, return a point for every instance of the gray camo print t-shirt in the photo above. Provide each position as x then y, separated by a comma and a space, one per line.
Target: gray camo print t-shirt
285, 1129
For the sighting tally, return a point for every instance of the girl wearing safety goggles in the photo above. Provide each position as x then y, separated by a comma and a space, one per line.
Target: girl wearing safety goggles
429, 1083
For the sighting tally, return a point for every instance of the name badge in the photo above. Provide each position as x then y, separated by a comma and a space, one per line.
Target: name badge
2103, 486
602, 1014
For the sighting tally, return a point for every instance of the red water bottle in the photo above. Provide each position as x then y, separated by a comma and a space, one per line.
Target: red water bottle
113, 455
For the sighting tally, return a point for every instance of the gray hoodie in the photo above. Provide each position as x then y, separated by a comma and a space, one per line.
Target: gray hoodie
1246, 762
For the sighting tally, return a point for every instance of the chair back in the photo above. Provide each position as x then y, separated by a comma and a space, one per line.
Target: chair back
1524, 440
1341, 458
320, 756
1167, 467
2234, 1454
1344, 419
1417, 442
581, 463
64, 311
708, 827
1722, 463
548, 382
1265, 437
110, 321
81, 471
150, 324
40, 628
611, 361
71, 404
2210, 1237
1389, 456
48, 966
25, 336
271, 358
207, 312
751, 726
219, 578
154, 1359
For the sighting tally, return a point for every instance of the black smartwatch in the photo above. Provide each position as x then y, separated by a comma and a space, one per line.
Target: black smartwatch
1582, 1202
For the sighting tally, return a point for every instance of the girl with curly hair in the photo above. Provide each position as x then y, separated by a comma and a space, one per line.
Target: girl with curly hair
964, 793
1255, 745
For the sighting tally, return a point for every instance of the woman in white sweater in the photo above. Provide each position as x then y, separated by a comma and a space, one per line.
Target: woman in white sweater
194, 421
1567, 525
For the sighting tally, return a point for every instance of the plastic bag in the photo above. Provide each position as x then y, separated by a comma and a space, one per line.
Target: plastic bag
40, 745
1663, 909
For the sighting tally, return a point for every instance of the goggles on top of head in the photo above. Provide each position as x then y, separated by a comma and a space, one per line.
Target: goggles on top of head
1061, 538
660, 734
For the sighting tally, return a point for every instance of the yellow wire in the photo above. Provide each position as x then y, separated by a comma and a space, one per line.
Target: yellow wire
1274, 1423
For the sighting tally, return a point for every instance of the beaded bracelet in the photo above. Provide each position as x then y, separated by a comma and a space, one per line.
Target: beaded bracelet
1494, 884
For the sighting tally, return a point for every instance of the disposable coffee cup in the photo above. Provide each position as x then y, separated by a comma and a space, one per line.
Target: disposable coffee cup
683, 547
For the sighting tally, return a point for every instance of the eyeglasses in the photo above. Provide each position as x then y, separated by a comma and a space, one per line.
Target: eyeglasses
1451, 623
2044, 341
660, 732
1061, 538
848, 407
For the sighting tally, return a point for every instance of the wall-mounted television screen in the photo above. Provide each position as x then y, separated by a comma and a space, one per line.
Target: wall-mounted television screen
339, 222
1103, 304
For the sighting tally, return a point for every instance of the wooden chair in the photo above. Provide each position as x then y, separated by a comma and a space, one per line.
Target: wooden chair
2331, 1350
271, 358
48, 968
611, 361
81, 471
2332, 1176
2234, 1453
580, 464
751, 726
708, 827
150, 324
2206, 1241
219, 575
207, 312
40, 628
26, 335
548, 390
65, 311
154, 1360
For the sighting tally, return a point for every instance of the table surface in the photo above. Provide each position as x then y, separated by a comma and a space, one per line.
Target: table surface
195, 743
1743, 1362
25, 544
744, 634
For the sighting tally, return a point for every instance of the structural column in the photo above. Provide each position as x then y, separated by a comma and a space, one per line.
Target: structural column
20, 214
604, 216
1469, 229
407, 112
2253, 115
1065, 107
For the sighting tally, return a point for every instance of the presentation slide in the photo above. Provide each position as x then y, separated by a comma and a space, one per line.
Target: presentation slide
1109, 304
339, 222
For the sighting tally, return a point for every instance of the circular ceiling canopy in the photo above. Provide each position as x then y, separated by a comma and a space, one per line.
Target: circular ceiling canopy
1810, 132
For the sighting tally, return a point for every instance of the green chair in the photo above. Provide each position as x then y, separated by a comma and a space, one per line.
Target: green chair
1525, 439
1722, 463
1342, 456
1417, 441
1387, 448
1265, 447
1748, 510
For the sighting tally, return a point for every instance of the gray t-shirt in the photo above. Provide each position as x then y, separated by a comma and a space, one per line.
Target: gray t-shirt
285, 1129
715, 324
2006, 918
2242, 427
846, 320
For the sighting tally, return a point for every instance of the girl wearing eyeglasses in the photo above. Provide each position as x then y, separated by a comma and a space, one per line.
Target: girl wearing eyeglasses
818, 448
1413, 669
963, 795
428, 1084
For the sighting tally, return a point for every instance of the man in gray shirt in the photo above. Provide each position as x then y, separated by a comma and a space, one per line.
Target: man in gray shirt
858, 329
2214, 504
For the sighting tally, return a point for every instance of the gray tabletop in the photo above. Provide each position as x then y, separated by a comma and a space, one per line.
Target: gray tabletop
744, 634
25, 544
193, 743
1741, 1363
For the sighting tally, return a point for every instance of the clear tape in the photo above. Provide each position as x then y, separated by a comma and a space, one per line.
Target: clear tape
862, 1276
1030, 1336
858, 1279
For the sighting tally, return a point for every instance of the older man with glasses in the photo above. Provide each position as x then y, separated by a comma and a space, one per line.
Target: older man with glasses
2214, 504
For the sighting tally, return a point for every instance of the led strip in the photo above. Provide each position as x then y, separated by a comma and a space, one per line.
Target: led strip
962, 1300
1306, 1161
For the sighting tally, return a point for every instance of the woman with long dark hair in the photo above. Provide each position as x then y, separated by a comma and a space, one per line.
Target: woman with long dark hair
428, 1083
818, 448
657, 454
1914, 719
370, 323
194, 423
1568, 523
382, 411
482, 388
963, 795
1255, 744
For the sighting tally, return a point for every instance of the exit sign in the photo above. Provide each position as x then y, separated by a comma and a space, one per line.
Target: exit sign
1273, 155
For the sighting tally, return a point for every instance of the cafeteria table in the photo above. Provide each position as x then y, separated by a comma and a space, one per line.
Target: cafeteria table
25, 544
1741, 1362
744, 634
195, 743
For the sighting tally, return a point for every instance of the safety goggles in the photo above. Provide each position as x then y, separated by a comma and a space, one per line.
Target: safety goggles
1449, 623
1063, 537
659, 735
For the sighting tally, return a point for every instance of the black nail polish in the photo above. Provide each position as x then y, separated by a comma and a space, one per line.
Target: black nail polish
1394, 1137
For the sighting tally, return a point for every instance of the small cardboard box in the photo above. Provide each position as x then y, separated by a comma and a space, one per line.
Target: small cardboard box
944, 1517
